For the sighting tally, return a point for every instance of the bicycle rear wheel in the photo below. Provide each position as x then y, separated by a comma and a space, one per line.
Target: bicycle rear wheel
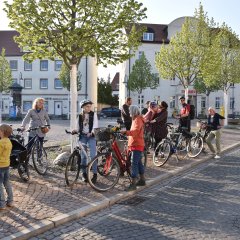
108, 172
39, 158
161, 153
72, 169
195, 146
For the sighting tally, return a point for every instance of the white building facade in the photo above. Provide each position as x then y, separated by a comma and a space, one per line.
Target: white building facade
170, 90
41, 79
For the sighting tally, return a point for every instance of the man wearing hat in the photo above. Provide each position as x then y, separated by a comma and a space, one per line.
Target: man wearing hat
184, 117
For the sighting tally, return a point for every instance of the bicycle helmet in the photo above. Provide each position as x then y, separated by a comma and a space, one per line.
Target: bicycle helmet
85, 102
153, 104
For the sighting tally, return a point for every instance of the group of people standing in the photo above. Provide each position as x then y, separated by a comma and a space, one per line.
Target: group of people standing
152, 119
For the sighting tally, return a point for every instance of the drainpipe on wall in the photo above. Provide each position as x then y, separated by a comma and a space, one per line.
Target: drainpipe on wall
129, 70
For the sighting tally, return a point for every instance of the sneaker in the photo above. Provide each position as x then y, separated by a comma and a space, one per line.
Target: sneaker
141, 183
217, 157
131, 187
84, 177
10, 204
94, 178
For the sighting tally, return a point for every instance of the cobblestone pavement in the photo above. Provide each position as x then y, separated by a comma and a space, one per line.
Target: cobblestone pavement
202, 204
44, 197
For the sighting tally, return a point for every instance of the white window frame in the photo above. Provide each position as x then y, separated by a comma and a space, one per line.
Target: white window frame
217, 102
58, 65
42, 65
148, 36
55, 85
27, 66
41, 81
203, 102
13, 65
27, 83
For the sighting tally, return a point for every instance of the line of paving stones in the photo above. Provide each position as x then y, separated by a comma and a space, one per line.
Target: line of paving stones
45, 197
201, 204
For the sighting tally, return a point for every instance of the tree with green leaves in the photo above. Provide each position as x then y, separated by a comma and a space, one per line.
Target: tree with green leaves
64, 76
5, 78
73, 29
222, 69
187, 49
105, 93
142, 77
201, 87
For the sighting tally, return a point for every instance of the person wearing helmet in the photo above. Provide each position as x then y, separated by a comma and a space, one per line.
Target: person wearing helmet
87, 122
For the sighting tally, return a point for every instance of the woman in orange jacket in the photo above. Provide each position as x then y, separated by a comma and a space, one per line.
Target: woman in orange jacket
136, 146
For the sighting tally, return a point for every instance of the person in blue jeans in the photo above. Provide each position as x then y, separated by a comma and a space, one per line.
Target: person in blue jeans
87, 122
5, 151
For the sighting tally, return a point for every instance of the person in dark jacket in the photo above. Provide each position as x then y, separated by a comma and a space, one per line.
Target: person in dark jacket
127, 120
215, 126
145, 110
159, 124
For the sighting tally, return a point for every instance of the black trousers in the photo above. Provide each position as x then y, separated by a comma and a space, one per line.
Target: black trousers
128, 125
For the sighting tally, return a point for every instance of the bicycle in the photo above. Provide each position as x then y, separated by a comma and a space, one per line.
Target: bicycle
197, 142
73, 166
177, 141
112, 162
38, 152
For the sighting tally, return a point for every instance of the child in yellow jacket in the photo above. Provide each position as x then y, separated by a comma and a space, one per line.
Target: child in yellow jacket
5, 151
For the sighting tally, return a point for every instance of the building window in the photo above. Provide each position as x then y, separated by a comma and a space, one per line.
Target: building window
14, 80
232, 103
172, 102
27, 66
43, 83
140, 53
43, 65
57, 83
28, 83
27, 105
58, 65
203, 103
140, 100
148, 36
13, 65
217, 102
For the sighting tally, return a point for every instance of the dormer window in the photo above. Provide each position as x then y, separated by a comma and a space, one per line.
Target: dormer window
148, 37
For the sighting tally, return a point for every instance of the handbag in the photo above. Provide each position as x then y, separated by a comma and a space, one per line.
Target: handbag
44, 130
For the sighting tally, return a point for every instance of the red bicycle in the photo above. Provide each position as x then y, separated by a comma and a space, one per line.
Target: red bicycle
113, 160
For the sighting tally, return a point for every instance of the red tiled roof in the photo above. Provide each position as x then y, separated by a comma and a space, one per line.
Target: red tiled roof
7, 42
115, 82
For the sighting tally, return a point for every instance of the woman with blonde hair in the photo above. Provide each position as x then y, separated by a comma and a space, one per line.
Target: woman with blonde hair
36, 117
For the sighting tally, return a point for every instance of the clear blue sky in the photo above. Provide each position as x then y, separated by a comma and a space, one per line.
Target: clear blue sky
165, 11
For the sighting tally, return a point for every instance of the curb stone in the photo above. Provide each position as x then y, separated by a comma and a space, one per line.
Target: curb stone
54, 222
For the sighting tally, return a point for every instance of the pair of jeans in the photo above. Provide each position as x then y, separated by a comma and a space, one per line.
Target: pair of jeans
31, 141
5, 182
217, 135
91, 143
136, 163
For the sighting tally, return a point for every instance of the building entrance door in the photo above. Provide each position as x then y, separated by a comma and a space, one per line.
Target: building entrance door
58, 108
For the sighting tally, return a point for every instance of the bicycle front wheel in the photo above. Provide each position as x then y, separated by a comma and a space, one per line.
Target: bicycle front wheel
72, 169
195, 146
161, 153
108, 172
39, 157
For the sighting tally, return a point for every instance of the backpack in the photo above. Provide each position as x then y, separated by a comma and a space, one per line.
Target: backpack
192, 112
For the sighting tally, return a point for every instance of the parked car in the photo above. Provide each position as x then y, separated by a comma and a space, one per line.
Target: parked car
110, 112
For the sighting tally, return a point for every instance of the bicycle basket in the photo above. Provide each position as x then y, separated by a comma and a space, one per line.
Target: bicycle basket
102, 134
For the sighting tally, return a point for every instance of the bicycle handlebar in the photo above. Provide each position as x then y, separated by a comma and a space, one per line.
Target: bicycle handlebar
69, 132
35, 128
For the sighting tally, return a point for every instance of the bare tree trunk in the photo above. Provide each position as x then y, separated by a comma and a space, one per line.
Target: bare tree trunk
225, 96
74, 96
186, 93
